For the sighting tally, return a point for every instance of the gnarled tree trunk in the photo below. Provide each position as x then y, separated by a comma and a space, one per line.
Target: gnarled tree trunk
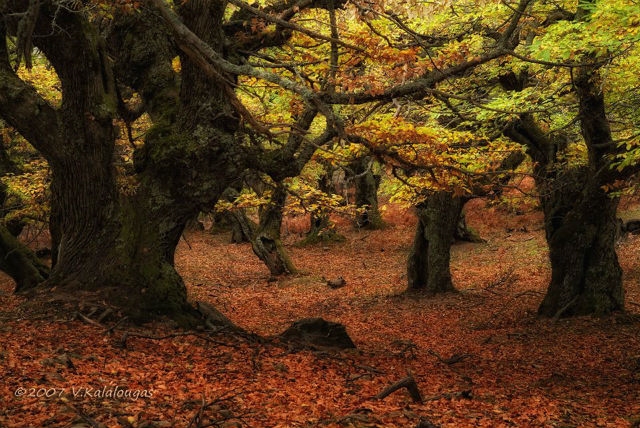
366, 187
267, 243
428, 267
580, 226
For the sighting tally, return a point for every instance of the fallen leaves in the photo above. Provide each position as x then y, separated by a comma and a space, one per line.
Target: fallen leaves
479, 357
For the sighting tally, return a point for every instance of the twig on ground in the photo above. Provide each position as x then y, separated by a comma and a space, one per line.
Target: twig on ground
87, 319
409, 383
128, 334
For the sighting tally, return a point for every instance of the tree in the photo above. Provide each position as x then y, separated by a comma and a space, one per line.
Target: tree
76, 138
580, 215
122, 246
551, 97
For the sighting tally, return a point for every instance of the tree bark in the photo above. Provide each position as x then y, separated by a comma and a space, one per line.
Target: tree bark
428, 267
366, 187
267, 244
123, 249
188, 158
77, 139
580, 225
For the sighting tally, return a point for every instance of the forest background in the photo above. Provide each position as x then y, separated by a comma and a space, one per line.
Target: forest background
126, 123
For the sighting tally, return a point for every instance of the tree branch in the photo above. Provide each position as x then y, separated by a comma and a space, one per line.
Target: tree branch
23, 108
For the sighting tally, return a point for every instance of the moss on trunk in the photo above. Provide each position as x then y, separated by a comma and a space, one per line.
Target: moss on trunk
580, 225
267, 243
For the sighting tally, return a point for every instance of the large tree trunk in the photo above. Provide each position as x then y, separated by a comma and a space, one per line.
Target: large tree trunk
580, 225
267, 243
428, 265
77, 139
124, 249
580, 220
141, 267
189, 157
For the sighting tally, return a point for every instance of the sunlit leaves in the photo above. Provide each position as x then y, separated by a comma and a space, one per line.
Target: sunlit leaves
44, 79
27, 187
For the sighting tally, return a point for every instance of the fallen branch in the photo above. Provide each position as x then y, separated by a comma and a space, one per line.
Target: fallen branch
104, 315
128, 334
409, 383
506, 279
87, 319
369, 369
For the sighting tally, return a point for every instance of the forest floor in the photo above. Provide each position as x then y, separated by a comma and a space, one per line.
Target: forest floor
480, 357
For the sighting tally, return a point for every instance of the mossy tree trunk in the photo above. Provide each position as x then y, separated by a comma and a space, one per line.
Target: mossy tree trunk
77, 139
580, 226
428, 266
580, 218
190, 155
123, 248
267, 243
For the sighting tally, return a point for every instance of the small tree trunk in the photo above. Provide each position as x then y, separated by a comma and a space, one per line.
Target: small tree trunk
266, 243
20, 263
242, 227
580, 225
366, 186
428, 266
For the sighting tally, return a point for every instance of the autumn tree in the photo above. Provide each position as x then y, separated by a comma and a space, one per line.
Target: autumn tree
552, 97
580, 214
440, 166
122, 245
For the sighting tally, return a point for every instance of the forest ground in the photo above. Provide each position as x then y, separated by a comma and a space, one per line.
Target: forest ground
480, 357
